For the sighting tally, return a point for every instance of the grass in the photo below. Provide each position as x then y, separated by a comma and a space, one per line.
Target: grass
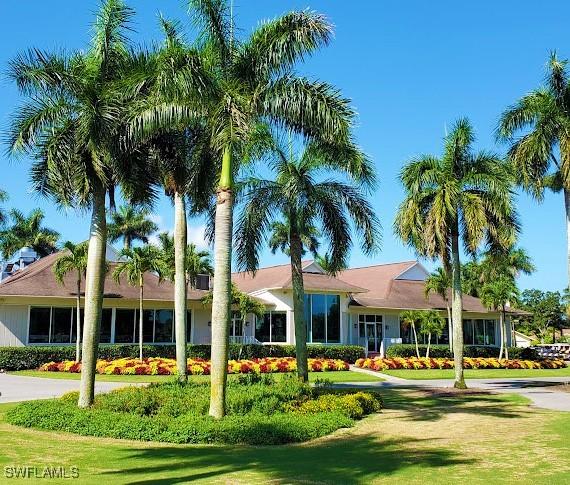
421, 437
337, 376
421, 374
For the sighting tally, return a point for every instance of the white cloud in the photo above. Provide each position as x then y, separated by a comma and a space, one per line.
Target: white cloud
197, 236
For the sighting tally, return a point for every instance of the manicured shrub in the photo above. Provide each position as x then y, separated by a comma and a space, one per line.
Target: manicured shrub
275, 411
21, 358
380, 364
443, 351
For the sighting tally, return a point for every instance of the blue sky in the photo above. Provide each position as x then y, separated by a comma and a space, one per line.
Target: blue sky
410, 68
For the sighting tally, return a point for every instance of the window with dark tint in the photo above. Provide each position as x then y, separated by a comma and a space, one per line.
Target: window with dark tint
307, 315
106, 317
479, 332
333, 318
490, 332
61, 325
263, 328
444, 337
278, 327
203, 282
319, 311
148, 326
468, 332
163, 326
124, 326
39, 325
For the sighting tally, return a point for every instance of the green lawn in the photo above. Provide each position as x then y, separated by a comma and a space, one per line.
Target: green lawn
337, 376
421, 437
477, 373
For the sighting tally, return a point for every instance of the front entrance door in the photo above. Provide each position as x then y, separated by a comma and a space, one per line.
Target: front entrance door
374, 336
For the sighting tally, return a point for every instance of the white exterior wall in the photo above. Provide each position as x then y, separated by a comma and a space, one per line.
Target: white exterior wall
13, 325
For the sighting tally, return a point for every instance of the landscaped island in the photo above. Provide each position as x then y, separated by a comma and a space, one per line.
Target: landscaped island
260, 411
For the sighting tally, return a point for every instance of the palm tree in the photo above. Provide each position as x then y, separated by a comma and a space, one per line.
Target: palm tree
431, 324
137, 262
511, 263
280, 232
413, 319
255, 83
471, 277
541, 155
131, 224
496, 295
73, 259
461, 197
439, 283
3, 215
325, 262
72, 126
27, 231
297, 197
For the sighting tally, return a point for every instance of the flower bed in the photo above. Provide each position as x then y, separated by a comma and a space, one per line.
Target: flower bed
157, 366
380, 364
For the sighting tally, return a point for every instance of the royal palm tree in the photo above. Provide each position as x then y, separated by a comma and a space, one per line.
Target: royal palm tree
72, 126
27, 231
510, 263
541, 154
256, 82
325, 262
136, 262
74, 259
3, 215
280, 233
130, 224
413, 319
439, 283
496, 295
299, 198
461, 197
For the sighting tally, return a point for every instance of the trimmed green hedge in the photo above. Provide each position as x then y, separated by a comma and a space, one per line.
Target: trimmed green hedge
22, 358
442, 351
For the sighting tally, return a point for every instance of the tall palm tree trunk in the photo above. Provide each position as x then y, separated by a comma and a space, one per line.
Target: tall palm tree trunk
502, 333
296, 248
141, 299
416, 340
127, 242
221, 298
449, 323
94, 288
428, 345
567, 210
78, 320
457, 310
180, 284
505, 332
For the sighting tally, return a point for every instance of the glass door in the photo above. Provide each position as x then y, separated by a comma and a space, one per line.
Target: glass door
371, 338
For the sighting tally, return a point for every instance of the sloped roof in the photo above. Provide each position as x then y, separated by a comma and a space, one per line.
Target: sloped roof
279, 277
38, 279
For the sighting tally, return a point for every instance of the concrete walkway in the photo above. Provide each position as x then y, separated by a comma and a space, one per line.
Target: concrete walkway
14, 388
538, 389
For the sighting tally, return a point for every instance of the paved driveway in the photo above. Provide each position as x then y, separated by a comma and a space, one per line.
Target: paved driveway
15, 388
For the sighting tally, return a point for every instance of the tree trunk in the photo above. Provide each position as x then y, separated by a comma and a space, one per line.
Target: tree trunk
457, 310
94, 288
78, 321
221, 300
416, 340
567, 208
180, 284
127, 242
505, 327
449, 323
428, 345
296, 249
502, 331
141, 298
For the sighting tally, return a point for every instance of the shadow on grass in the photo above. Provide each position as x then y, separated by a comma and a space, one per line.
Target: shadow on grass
433, 404
343, 459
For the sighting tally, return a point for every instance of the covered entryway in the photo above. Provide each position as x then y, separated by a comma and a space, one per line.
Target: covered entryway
371, 333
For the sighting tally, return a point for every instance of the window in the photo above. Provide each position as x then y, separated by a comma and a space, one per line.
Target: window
203, 282
236, 325
104, 331
163, 326
40, 319
479, 332
468, 335
189, 326
272, 327
124, 326
322, 314
490, 332
60, 325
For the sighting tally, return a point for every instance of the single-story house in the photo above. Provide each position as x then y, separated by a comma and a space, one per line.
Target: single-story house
359, 306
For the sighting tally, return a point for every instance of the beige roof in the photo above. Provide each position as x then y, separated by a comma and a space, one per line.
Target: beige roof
279, 277
38, 279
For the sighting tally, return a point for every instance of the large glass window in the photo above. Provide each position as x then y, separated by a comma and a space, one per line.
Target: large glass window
480, 332
148, 325
124, 326
236, 325
163, 326
189, 326
490, 332
322, 314
61, 325
106, 318
39, 325
468, 335
272, 327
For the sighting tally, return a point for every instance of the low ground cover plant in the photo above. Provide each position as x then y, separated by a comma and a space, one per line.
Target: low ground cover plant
260, 411
159, 366
380, 364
